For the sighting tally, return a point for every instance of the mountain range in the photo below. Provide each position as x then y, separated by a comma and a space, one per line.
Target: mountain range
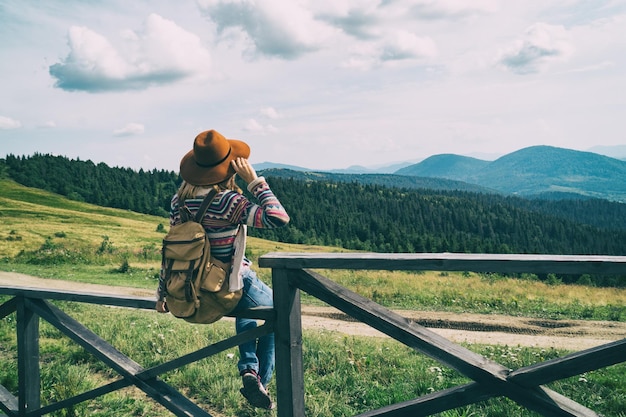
537, 171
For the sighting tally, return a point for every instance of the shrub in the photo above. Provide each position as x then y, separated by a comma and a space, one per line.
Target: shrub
123, 268
50, 253
106, 246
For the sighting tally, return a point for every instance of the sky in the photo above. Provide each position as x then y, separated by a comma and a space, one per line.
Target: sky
321, 84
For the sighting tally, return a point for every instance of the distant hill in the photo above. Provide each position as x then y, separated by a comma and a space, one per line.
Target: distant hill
272, 165
455, 167
534, 171
378, 169
386, 180
354, 169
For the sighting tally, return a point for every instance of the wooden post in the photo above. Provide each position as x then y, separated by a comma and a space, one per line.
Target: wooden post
288, 335
28, 373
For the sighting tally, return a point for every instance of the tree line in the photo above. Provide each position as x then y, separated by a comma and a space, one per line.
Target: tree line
385, 219
141, 191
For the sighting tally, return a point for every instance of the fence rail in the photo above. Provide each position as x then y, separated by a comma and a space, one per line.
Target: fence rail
292, 273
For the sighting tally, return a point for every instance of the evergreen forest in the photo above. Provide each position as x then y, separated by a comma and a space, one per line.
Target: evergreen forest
362, 216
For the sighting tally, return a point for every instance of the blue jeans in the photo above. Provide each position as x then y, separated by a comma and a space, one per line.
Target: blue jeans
255, 354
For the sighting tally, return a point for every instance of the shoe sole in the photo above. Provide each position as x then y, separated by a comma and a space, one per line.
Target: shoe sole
253, 393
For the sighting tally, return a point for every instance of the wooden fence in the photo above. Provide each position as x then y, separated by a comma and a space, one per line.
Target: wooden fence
291, 273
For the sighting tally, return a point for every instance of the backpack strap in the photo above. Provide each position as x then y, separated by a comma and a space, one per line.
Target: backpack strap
202, 210
205, 205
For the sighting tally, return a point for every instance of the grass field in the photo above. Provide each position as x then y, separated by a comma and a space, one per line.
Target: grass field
48, 236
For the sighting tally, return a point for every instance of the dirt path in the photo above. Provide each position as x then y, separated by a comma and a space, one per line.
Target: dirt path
469, 328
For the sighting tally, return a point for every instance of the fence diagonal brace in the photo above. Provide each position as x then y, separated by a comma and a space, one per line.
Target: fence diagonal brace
207, 351
126, 367
8, 307
85, 396
548, 402
434, 403
465, 361
570, 365
8, 402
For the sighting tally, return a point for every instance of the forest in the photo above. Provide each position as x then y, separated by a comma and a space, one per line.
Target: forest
147, 192
360, 216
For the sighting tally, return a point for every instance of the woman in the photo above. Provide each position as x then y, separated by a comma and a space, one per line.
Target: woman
213, 163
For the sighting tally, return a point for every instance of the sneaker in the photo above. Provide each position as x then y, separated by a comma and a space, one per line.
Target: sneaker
254, 391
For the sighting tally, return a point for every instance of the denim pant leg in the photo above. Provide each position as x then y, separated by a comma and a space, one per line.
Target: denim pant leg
255, 354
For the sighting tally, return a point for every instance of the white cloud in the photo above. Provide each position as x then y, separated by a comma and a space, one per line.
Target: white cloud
253, 126
443, 9
285, 29
161, 53
6, 123
392, 48
401, 45
358, 18
270, 113
129, 130
541, 45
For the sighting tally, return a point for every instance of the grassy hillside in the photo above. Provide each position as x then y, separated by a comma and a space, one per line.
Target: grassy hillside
47, 235
31, 216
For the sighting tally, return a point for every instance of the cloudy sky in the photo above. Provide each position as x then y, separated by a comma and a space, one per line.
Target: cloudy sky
316, 83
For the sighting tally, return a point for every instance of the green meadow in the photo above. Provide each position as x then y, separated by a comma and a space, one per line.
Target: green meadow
48, 236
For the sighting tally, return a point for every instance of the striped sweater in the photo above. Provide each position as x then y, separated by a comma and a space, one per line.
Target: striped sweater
227, 211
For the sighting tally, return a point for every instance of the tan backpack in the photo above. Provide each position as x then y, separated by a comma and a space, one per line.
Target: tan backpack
196, 284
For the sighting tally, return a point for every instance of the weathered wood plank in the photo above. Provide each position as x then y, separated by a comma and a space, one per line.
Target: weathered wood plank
82, 297
146, 303
548, 403
434, 403
504, 263
260, 313
570, 365
288, 337
207, 351
8, 307
8, 402
28, 373
85, 396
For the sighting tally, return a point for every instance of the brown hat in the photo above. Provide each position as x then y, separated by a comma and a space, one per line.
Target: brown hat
208, 162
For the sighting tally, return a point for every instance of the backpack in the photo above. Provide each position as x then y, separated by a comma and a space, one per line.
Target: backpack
196, 285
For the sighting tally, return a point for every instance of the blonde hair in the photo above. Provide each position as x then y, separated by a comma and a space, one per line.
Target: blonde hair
187, 191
